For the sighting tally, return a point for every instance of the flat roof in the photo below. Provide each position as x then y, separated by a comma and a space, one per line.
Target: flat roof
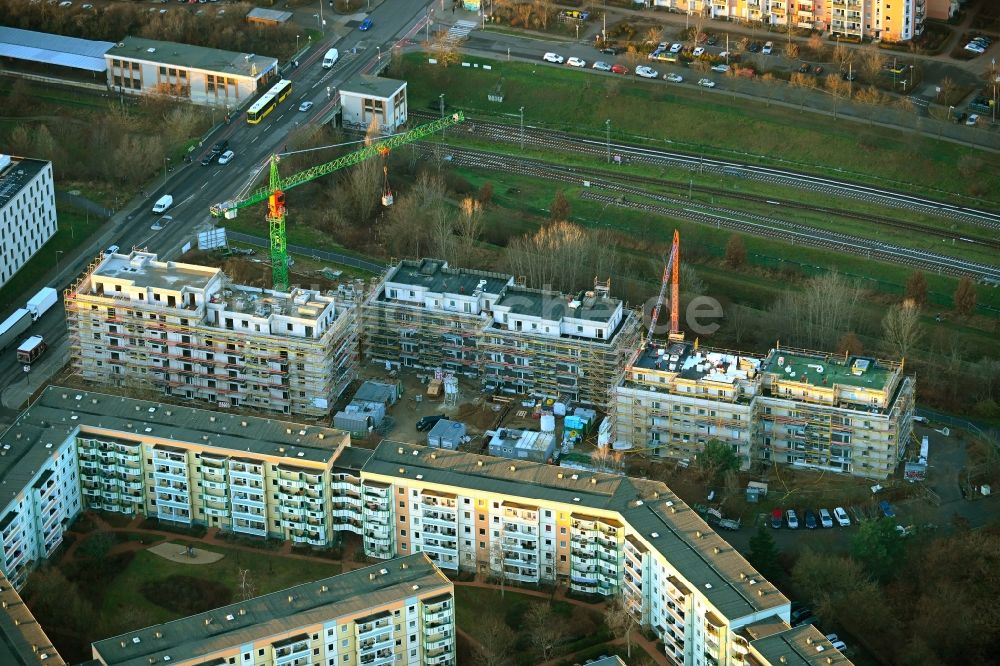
50, 49
554, 305
269, 15
60, 411
681, 536
697, 364
143, 270
15, 177
436, 276
375, 86
276, 613
828, 370
20, 633
528, 440
194, 57
798, 646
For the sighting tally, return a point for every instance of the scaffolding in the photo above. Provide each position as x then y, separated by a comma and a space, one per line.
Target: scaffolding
182, 350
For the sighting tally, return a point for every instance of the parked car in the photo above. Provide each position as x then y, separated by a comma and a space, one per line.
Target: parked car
721, 67
619, 69
553, 57
886, 509
699, 51
365, 25
706, 83
673, 78
825, 519
712, 40
960, 117
791, 519
226, 157
427, 422
975, 48
804, 68
839, 645
817, 70
305, 106
601, 66
831, 637
646, 72
848, 76
810, 519
768, 47
754, 47
676, 47
800, 613
972, 120
613, 50
576, 62
842, 518
776, 519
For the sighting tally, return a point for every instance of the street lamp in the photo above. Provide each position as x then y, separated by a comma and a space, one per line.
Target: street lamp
379, 54
296, 43
607, 126
58, 252
165, 161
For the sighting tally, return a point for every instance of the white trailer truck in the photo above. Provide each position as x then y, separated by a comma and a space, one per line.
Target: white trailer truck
12, 328
41, 302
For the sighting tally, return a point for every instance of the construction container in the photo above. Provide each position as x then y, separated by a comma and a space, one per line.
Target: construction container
446, 434
356, 423
548, 423
370, 391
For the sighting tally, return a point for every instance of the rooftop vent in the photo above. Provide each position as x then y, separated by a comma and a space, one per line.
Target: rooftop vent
401, 450
576, 499
291, 598
708, 586
147, 429
655, 535
559, 475
513, 468
697, 534
208, 621
479, 463
415, 588
402, 470
420, 476
300, 454
574, 476
416, 453
230, 617
324, 588
243, 423
158, 634
383, 571
136, 640
593, 480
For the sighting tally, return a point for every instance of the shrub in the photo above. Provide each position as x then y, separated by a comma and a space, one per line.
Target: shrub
186, 595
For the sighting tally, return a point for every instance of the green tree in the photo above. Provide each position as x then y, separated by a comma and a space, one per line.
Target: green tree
97, 546
829, 579
879, 547
717, 458
764, 553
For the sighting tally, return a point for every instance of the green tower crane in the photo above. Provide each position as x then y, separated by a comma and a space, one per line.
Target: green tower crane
274, 191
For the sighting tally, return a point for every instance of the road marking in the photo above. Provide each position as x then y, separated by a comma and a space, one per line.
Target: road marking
254, 139
203, 186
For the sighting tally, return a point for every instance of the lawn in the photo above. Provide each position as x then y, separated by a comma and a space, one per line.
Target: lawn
690, 120
269, 572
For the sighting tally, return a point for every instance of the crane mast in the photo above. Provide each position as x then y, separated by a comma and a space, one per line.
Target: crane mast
671, 279
274, 191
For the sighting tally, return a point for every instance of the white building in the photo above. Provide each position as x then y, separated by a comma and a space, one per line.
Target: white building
366, 97
27, 211
197, 74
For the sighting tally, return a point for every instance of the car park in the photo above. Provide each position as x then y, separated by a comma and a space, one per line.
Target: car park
226, 157
676, 47
791, 519
706, 83
721, 67
825, 519
673, 78
646, 72
768, 47
776, 519
841, 516
886, 509
619, 69
305, 106
553, 57
601, 66
576, 62
427, 422
972, 120
810, 519
365, 25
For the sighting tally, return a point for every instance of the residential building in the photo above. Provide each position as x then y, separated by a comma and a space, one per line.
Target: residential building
27, 211
211, 77
22, 640
187, 331
424, 314
773, 643
366, 99
396, 612
801, 408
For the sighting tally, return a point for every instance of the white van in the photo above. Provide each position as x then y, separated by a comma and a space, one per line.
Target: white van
163, 203
330, 58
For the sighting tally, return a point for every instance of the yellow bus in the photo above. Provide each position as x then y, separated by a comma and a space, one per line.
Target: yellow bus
270, 99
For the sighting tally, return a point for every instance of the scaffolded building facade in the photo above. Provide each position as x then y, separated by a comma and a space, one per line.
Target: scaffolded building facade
188, 332
424, 314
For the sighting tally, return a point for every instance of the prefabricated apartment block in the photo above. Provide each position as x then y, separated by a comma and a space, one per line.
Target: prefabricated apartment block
424, 314
801, 408
396, 612
188, 331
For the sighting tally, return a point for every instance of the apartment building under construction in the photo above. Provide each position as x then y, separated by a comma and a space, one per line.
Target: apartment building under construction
803, 408
424, 314
187, 331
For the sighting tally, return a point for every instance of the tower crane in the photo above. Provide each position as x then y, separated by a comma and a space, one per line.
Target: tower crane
274, 191
671, 278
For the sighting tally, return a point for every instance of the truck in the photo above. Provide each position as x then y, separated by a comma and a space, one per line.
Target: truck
31, 349
12, 327
162, 204
330, 59
41, 302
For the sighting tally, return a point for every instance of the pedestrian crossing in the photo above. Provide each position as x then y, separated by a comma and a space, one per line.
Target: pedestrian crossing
459, 32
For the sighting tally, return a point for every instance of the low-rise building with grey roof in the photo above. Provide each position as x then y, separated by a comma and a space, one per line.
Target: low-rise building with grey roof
397, 612
776, 644
27, 211
188, 331
213, 77
366, 99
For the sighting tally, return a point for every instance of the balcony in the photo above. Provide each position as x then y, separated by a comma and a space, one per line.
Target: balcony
439, 518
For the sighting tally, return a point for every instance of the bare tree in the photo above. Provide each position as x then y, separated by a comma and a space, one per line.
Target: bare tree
736, 251
498, 571
620, 621
916, 288
246, 585
633, 58
901, 328
842, 55
742, 320
470, 228
871, 62
965, 296
362, 181
560, 208
817, 46
496, 642
545, 629
816, 316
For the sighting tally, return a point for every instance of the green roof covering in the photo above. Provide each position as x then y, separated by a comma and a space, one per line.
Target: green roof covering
827, 369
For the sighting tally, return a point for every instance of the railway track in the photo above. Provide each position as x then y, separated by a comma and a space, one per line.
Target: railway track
717, 216
563, 142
